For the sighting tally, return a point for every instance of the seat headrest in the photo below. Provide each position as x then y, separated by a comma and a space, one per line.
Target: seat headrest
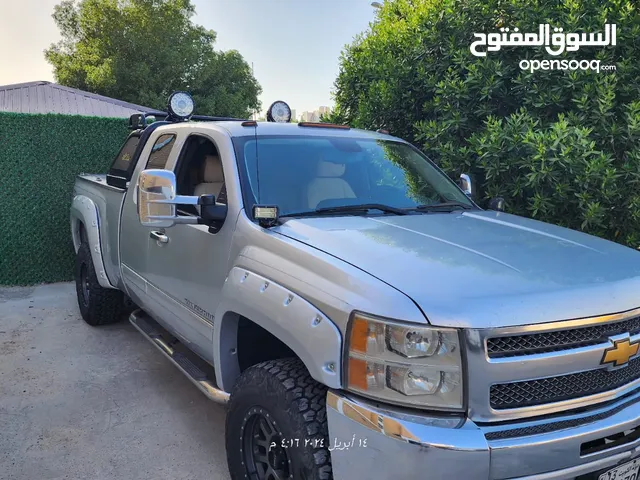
330, 169
212, 169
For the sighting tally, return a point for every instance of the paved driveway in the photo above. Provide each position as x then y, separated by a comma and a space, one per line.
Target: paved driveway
85, 403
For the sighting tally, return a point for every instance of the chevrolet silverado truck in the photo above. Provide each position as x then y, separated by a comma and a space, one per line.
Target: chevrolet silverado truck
357, 312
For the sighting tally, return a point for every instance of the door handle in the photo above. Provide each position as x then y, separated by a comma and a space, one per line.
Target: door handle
159, 236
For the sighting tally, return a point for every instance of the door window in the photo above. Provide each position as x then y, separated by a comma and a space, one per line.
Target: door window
161, 151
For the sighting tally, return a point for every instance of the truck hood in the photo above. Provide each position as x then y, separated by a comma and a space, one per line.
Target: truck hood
482, 269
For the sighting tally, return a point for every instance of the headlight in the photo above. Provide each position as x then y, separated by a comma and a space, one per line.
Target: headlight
404, 364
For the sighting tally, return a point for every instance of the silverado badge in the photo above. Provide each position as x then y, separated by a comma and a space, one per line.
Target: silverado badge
620, 353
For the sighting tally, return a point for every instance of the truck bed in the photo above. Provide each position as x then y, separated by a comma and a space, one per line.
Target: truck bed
108, 200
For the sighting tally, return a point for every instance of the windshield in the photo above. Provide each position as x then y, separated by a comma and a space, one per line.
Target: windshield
302, 174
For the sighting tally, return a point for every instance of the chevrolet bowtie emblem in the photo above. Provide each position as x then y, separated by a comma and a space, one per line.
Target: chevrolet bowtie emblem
620, 353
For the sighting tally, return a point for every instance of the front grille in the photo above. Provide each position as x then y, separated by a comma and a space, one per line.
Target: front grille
559, 425
531, 343
564, 387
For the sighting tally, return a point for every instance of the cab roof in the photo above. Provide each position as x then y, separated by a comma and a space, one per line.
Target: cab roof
236, 129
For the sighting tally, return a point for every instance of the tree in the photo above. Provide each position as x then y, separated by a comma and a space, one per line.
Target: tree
560, 146
142, 50
328, 117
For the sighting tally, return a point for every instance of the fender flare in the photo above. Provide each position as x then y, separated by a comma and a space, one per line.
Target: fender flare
312, 336
84, 212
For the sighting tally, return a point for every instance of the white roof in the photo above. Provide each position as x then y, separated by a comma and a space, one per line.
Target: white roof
236, 129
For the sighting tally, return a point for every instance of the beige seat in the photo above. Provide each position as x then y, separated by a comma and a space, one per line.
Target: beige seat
212, 177
328, 184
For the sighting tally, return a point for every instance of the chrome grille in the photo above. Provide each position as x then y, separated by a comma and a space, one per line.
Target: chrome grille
552, 426
531, 343
562, 387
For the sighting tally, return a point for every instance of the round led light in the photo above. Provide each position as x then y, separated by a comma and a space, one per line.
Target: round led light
279, 112
181, 105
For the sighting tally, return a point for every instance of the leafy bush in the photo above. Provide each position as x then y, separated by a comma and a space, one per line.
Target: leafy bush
560, 146
40, 156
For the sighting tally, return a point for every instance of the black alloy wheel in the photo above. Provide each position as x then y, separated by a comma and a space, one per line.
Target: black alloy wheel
264, 455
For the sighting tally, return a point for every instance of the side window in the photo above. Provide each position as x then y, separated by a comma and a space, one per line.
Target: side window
199, 172
161, 151
123, 160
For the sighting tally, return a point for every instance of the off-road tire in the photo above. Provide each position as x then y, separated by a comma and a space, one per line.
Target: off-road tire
98, 305
296, 404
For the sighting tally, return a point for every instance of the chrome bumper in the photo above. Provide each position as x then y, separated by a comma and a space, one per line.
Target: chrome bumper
379, 442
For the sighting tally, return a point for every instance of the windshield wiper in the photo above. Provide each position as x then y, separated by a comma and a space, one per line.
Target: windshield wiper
360, 208
443, 206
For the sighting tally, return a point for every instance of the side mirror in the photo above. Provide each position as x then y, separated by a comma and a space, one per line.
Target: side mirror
157, 200
465, 184
497, 204
156, 192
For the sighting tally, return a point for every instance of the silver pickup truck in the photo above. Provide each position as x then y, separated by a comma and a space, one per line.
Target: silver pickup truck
358, 313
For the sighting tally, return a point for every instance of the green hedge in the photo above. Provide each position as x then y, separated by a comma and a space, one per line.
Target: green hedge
561, 146
40, 155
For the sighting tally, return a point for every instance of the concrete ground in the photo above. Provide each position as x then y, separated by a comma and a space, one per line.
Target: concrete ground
78, 402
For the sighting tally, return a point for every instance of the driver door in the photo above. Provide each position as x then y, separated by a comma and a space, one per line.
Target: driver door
186, 264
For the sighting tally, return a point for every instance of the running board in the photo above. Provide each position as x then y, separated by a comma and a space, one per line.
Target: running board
147, 327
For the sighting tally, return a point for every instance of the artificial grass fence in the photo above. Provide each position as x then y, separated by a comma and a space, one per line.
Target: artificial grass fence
40, 156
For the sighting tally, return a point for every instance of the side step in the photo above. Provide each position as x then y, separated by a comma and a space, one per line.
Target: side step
153, 332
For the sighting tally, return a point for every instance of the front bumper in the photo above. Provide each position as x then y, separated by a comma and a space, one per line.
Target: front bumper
376, 441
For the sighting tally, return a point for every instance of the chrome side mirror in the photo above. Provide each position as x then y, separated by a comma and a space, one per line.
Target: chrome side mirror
157, 199
465, 184
156, 190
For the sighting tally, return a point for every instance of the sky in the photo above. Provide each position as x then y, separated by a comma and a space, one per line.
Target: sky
294, 45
